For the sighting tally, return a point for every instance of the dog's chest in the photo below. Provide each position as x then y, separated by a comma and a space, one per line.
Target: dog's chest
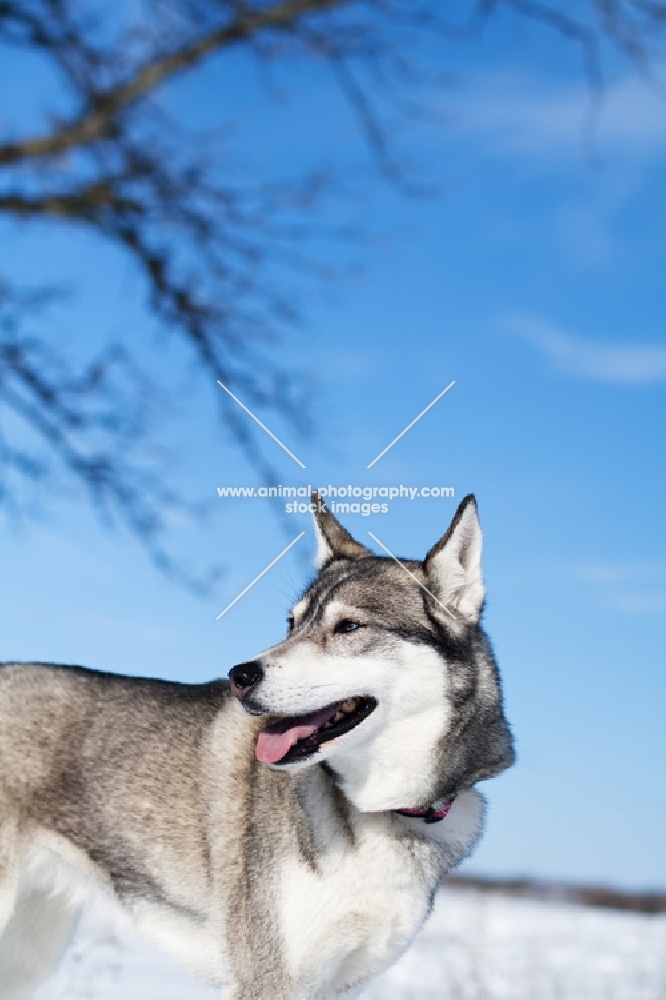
355, 908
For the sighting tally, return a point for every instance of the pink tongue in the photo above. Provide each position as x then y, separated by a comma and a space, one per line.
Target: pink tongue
275, 741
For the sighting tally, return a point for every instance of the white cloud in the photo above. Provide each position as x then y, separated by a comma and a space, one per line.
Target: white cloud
626, 587
607, 573
619, 364
648, 603
631, 587
520, 117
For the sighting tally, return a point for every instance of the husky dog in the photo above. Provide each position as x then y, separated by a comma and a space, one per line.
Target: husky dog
282, 832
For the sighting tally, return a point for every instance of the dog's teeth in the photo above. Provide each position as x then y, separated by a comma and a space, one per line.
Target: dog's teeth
338, 715
349, 705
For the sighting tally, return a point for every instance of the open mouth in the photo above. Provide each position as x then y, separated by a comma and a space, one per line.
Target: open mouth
299, 736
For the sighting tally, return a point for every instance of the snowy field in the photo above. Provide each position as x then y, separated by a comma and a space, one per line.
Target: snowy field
475, 947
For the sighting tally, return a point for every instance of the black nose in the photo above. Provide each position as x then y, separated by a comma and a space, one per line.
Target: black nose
244, 676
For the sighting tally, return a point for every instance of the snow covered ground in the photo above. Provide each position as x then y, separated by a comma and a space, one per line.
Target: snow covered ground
475, 947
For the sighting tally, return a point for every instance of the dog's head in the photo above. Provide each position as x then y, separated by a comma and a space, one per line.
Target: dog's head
385, 674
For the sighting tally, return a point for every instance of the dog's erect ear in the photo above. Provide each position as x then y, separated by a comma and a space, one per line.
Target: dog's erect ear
453, 566
333, 541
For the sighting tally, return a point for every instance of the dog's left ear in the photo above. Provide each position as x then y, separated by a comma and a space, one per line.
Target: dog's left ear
453, 566
333, 541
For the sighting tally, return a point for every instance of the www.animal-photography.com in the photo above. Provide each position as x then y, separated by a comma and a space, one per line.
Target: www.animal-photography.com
332, 370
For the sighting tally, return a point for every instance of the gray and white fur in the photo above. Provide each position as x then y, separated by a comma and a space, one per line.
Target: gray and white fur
276, 867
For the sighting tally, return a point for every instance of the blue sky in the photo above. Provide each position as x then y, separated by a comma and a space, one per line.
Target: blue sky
534, 279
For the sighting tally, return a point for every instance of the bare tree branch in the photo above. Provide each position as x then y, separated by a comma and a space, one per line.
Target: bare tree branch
97, 121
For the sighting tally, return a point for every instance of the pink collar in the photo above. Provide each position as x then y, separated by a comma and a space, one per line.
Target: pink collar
433, 814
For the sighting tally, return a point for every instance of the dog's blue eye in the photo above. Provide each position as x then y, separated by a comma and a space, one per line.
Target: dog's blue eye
346, 625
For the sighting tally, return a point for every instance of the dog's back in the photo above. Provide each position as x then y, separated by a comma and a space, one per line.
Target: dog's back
75, 743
